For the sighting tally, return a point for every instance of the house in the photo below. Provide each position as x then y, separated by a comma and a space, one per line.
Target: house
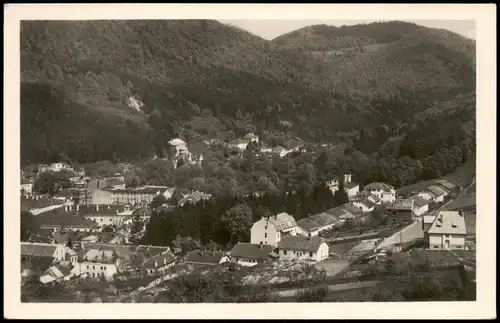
269, 230
427, 195
54, 252
26, 187
240, 144
303, 248
334, 184
420, 206
37, 204
352, 189
41, 238
251, 138
67, 219
365, 205
383, 191
89, 239
159, 263
55, 274
375, 199
251, 254
447, 232
314, 224
206, 258
351, 211
57, 167
133, 196
111, 214
98, 263
446, 184
181, 149
400, 211
194, 197
439, 192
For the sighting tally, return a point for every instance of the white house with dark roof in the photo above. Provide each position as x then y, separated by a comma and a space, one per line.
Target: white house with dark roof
447, 231
383, 191
56, 273
420, 205
365, 205
96, 262
303, 248
251, 254
270, 230
111, 214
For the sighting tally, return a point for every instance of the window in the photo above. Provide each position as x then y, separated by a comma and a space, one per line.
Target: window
435, 247
265, 235
88, 267
93, 267
310, 254
284, 252
265, 242
459, 247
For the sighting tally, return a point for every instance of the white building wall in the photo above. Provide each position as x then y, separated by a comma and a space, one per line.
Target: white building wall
320, 254
264, 232
418, 211
446, 241
96, 270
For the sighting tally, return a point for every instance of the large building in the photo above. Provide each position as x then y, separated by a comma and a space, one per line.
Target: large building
270, 230
447, 231
111, 214
134, 196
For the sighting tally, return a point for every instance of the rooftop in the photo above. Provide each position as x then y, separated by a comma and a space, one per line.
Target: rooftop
30, 249
300, 243
448, 222
418, 201
350, 185
436, 190
282, 221
204, 257
401, 204
61, 217
160, 260
251, 250
379, 187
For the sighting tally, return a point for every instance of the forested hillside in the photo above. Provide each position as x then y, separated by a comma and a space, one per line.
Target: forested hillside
122, 89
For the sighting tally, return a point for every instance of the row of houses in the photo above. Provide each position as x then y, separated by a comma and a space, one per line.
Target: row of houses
59, 262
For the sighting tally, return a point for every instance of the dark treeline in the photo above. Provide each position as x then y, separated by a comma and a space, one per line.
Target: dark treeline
227, 220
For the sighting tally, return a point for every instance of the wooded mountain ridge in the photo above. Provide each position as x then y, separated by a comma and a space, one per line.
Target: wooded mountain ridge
98, 90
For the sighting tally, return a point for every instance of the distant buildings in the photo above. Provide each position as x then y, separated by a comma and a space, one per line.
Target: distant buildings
110, 214
271, 230
26, 187
447, 231
194, 197
134, 196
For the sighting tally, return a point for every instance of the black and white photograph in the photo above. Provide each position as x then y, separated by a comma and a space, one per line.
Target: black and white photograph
250, 160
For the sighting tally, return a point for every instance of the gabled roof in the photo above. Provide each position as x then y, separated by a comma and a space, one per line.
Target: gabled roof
379, 187
159, 260
350, 185
324, 218
251, 250
300, 243
308, 224
29, 249
35, 237
101, 209
374, 198
419, 202
448, 222
436, 190
64, 237
432, 195
204, 257
445, 183
352, 209
401, 204
282, 221
60, 217
337, 211
368, 203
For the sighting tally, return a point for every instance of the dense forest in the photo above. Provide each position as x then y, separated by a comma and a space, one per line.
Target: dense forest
120, 90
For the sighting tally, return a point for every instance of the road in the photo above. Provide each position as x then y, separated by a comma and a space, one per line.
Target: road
333, 288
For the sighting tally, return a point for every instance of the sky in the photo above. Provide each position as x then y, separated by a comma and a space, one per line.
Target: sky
270, 29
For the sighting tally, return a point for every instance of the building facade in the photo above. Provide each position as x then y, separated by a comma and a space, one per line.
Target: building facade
269, 231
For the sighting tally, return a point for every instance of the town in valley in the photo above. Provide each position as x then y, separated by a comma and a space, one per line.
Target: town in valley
191, 161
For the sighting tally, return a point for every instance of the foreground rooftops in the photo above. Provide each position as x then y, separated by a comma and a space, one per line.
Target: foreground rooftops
379, 187
300, 243
251, 250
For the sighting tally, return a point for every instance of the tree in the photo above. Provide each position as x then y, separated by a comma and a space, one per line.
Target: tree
341, 196
69, 243
238, 221
312, 294
136, 227
28, 225
157, 201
